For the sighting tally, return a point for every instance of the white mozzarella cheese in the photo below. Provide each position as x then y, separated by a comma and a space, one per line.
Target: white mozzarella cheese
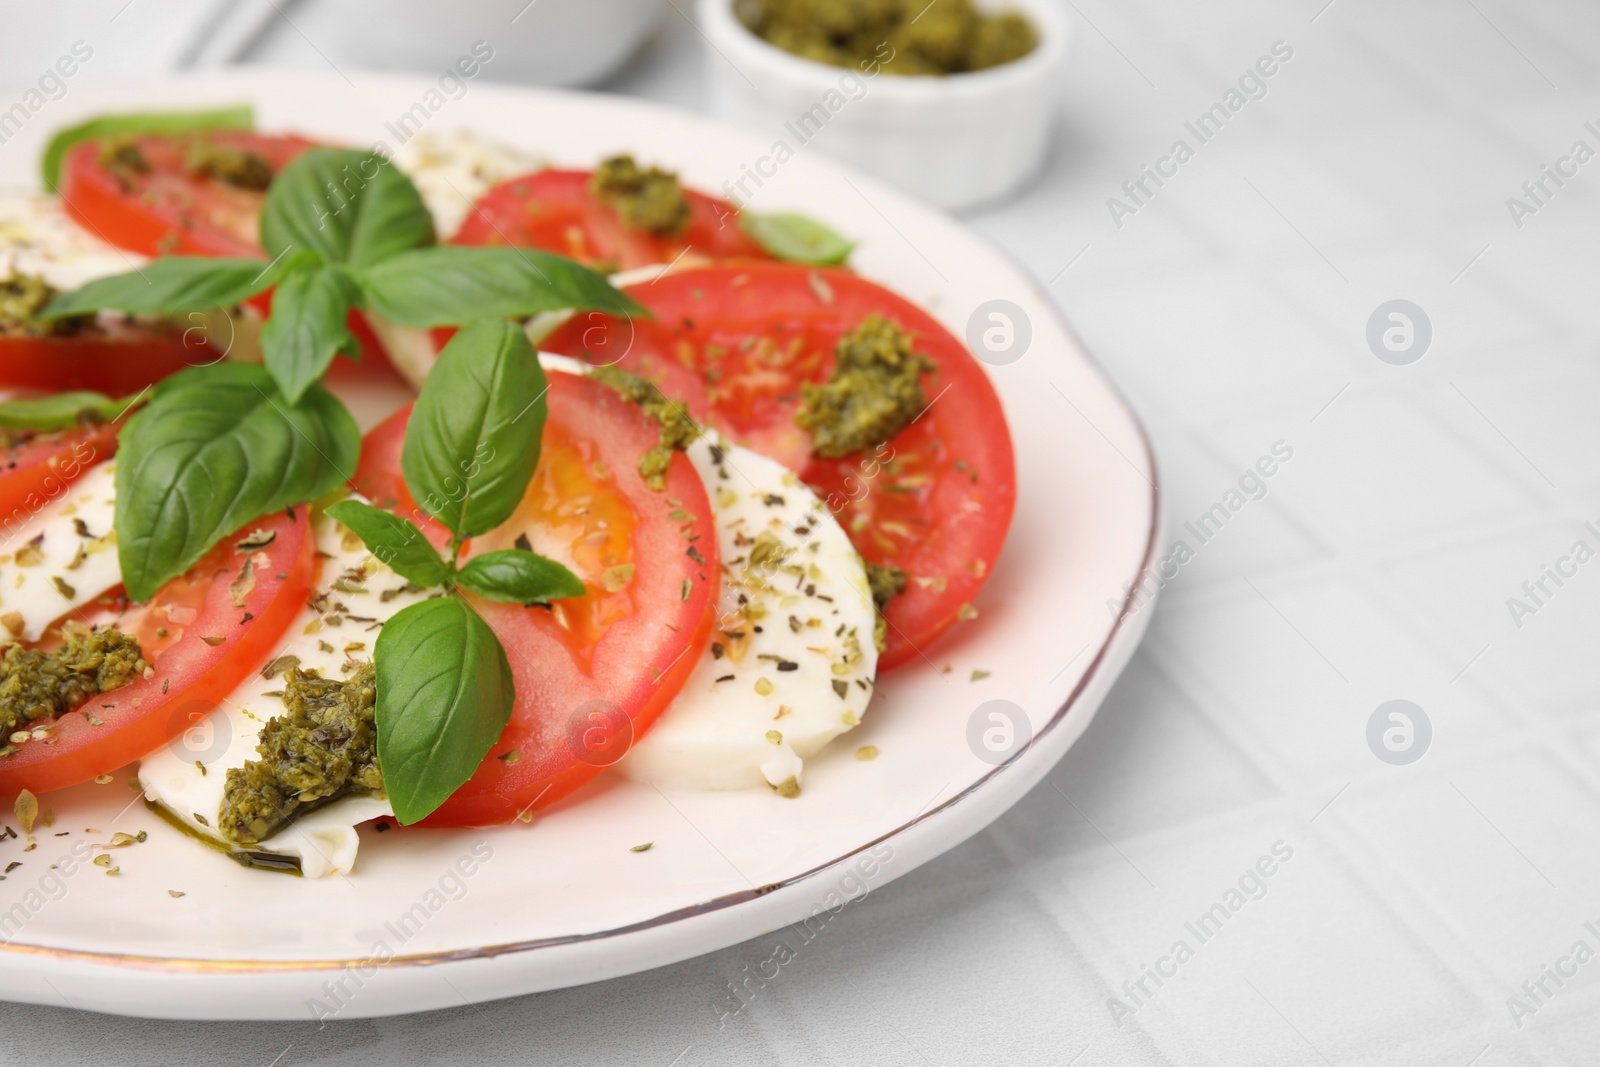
452, 170
59, 558
792, 660
37, 238
339, 627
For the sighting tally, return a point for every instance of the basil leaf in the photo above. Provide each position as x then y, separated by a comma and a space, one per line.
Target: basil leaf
346, 206
453, 284
307, 328
61, 411
217, 447
147, 122
516, 576
445, 693
169, 285
796, 238
473, 438
395, 541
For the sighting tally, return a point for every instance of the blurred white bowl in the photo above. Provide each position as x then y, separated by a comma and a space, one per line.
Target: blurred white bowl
545, 42
957, 141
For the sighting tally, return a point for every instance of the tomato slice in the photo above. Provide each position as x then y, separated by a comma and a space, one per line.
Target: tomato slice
118, 358
592, 672
35, 468
166, 208
735, 342
201, 637
555, 210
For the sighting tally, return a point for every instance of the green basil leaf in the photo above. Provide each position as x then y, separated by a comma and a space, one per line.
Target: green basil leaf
169, 285
147, 122
445, 693
395, 541
346, 206
217, 447
61, 411
453, 284
796, 238
516, 576
307, 328
473, 438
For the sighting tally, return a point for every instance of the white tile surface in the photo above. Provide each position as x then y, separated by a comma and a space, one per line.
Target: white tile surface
1419, 897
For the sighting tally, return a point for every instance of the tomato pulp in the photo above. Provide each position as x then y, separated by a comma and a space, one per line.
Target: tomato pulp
735, 342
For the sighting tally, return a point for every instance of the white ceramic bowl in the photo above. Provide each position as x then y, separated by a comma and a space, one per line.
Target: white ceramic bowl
546, 42
957, 141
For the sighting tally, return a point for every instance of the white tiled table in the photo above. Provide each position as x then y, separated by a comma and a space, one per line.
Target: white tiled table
1232, 309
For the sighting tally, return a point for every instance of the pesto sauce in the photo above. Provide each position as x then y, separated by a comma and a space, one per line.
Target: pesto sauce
895, 36
123, 160
678, 430
323, 747
232, 166
886, 583
38, 685
874, 392
22, 298
649, 200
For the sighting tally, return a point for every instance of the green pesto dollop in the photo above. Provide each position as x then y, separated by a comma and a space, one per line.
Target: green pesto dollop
323, 747
886, 583
874, 392
678, 430
895, 36
22, 298
224, 163
122, 158
650, 200
38, 684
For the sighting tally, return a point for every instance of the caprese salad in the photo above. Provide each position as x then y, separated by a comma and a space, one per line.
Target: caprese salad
674, 528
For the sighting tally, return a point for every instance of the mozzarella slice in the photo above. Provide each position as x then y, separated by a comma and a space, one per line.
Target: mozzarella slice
793, 658
339, 626
37, 238
59, 558
452, 170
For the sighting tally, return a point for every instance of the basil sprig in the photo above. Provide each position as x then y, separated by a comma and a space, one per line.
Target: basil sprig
309, 325
347, 207
62, 411
797, 238
172, 284
345, 229
445, 693
473, 439
445, 690
216, 447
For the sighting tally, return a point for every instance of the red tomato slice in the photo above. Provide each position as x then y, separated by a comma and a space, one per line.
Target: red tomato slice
168, 210
592, 673
556, 211
202, 641
36, 468
118, 360
735, 342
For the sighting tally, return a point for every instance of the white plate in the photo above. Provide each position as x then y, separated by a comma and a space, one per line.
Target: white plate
563, 900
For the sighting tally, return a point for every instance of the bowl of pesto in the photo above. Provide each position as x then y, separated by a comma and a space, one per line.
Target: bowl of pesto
954, 102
